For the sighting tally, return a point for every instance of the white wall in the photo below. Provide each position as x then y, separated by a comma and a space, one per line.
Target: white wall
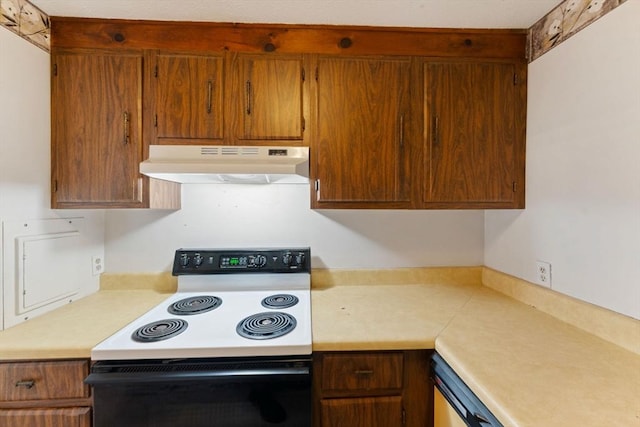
583, 169
25, 147
279, 215
24, 128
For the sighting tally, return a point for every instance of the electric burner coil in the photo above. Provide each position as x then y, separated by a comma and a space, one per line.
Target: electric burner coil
280, 301
268, 325
159, 330
194, 305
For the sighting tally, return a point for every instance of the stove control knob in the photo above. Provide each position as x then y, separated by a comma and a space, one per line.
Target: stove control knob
287, 259
197, 260
184, 260
300, 259
260, 261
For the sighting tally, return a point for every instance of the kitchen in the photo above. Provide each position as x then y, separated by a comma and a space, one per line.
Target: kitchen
587, 227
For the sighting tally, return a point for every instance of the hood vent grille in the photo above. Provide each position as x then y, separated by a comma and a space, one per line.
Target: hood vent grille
209, 151
240, 151
229, 151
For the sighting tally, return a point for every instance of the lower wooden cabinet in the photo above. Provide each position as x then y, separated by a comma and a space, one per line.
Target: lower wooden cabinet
365, 411
62, 417
372, 389
45, 394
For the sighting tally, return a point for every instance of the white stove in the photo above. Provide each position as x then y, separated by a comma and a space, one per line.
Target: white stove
229, 303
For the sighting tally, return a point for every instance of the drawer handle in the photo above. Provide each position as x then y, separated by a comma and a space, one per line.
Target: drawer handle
25, 383
363, 372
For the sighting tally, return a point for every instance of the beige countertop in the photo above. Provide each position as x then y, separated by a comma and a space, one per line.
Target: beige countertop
384, 317
387, 309
529, 368
351, 317
532, 370
73, 330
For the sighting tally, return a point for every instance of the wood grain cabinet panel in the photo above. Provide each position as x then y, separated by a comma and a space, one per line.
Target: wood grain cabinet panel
367, 371
361, 146
189, 98
362, 412
47, 393
43, 380
372, 388
474, 150
97, 130
63, 417
268, 91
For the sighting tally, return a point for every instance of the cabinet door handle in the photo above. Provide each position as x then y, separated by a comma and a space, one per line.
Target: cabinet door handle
209, 96
125, 121
402, 130
249, 100
25, 383
363, 372
435, 131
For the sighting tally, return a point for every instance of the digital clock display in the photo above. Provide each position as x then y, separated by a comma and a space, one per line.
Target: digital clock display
233, 261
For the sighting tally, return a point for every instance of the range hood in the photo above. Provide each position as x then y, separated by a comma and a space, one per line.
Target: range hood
231, 164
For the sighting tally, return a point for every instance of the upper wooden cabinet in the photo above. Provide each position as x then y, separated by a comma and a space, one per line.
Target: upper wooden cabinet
227, 99
97, 129
189, 98
97, 132
474, 115
394, 118
362, 144
267, 91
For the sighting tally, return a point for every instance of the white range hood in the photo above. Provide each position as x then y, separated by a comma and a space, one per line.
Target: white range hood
232, 164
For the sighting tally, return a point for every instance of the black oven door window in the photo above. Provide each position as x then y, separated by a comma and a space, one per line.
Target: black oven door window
263, 401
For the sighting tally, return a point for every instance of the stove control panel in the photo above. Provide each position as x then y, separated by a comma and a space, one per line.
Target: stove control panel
227, 261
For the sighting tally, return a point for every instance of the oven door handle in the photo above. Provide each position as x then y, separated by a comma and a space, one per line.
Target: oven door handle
267, 374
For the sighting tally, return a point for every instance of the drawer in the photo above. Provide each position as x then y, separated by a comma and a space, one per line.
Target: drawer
43, 380
365, 371
67, 417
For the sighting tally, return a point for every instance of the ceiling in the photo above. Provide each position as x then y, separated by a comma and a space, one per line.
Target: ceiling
400, 13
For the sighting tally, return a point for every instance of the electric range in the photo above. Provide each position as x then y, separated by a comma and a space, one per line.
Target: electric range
229, 303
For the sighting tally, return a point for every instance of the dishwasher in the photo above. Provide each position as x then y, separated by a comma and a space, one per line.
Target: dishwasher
455, 405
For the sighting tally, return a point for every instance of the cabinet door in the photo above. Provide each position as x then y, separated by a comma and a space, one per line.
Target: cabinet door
362, 412
189, 93
269, 92
96, 130
360, 149
67, 417
474, 151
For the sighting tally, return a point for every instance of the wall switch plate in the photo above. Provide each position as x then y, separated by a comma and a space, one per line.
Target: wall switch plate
97, 266
543, 273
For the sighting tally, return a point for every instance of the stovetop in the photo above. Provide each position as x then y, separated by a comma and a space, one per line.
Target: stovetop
266, 314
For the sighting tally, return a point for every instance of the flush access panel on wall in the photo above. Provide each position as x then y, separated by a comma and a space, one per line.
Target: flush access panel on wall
40, 267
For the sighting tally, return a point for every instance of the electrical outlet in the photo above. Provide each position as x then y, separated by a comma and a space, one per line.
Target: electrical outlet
97, 266
543, 273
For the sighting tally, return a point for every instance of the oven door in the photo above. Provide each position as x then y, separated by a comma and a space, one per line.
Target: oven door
198, 393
